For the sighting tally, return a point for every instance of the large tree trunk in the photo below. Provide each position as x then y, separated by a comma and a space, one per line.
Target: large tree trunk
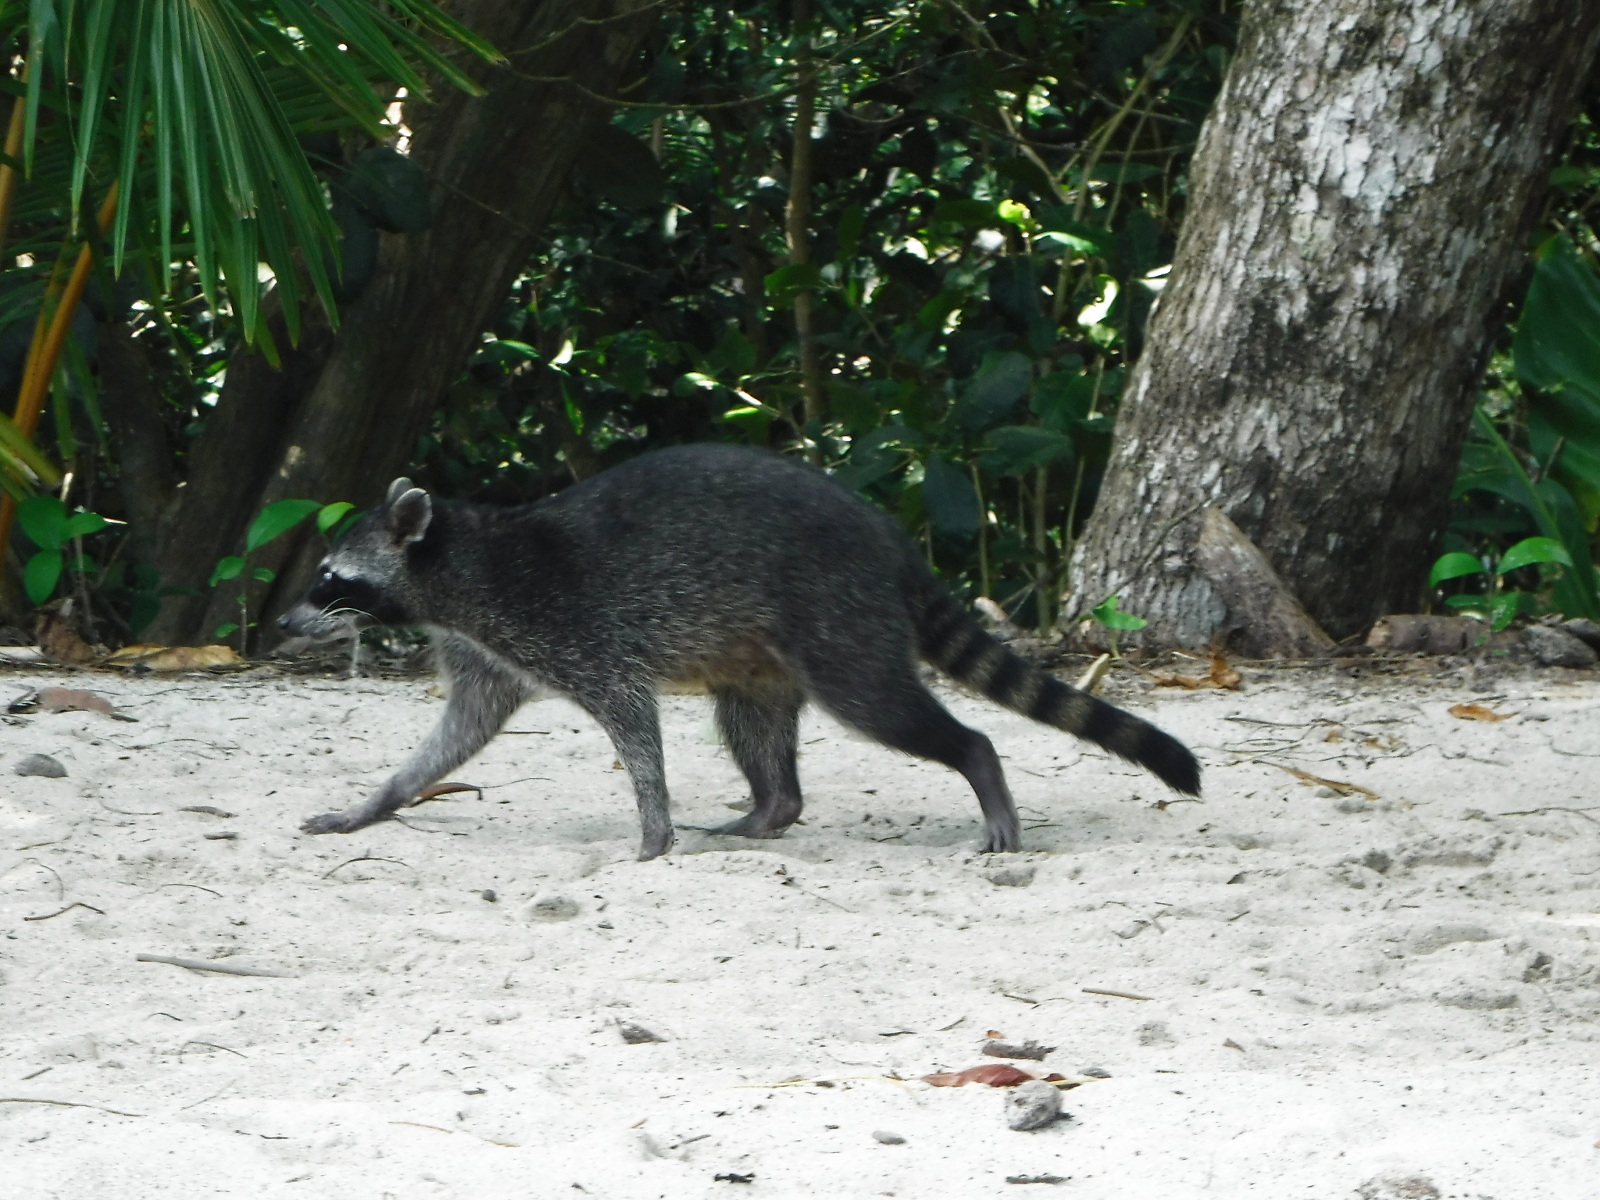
347, 417
1369, 174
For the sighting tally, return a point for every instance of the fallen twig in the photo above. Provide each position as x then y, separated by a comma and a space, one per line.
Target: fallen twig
1118, 995
1550, 808
67, 909
371, 858
195, 964
468, 1132
116, 1112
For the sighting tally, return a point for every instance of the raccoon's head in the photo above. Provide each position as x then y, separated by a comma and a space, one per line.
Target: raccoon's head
365, 579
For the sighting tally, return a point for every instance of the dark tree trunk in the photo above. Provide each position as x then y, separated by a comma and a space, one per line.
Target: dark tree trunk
346, 416
1368, 177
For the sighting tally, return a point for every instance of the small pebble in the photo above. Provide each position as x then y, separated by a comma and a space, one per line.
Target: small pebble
488, 894
1014, 876
1032, 1105
890, 1139
552, 908
636, 1035
42, 765
1029, 1049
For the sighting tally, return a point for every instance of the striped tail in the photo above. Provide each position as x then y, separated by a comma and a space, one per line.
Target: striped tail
951, 639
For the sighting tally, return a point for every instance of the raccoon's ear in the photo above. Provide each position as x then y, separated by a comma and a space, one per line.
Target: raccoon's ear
409, 514
397, 489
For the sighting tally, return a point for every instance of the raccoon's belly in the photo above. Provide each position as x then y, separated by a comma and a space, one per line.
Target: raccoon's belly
750, 663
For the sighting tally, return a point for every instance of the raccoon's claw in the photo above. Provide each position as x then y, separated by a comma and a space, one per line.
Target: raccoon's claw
751, 826
1002, 841
339, 822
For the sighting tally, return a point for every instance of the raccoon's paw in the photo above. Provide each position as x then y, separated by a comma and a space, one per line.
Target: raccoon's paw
339, 822
1004, 840
753, 825
655, 845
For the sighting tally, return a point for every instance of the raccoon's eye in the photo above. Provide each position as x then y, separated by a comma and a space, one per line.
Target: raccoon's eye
327, 572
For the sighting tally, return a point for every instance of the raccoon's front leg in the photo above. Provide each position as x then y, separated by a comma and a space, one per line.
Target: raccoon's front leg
483, 696
629, 715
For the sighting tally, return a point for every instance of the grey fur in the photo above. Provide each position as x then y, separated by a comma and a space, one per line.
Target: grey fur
753, 574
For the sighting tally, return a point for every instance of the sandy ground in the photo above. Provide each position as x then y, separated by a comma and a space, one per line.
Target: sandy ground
1347, 990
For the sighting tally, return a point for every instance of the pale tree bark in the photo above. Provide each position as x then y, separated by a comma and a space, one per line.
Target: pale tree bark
1360, 194
346, 416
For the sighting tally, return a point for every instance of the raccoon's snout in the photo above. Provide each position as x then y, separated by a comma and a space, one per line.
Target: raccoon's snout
308, 621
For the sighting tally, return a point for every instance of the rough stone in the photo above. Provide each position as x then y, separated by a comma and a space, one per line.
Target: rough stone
1554, 646
42, 765
1033, 1105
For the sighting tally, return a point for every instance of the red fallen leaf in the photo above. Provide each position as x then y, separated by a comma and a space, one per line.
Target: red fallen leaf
444, 789
993, 1074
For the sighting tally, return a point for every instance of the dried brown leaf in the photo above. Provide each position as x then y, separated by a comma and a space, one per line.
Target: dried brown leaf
1477, 712
991, 1074
173, 658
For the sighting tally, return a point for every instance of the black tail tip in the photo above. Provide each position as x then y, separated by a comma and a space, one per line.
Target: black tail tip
1171, 762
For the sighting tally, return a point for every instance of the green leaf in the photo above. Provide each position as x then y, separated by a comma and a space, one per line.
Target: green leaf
1109, 615
263, 574
225, 631
619, 167
44, 519
1454, 566
1533, 550
40, 576
1503, 609
782, 284
226, 569
1018, 449
277, 519
82, 524
995, 388
331, 514
975, 214
949, 497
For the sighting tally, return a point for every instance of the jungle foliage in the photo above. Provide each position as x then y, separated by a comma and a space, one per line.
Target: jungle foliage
932, 286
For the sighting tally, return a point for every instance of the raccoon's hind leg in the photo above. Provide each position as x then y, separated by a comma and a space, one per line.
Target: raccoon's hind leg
887, 701
761, 726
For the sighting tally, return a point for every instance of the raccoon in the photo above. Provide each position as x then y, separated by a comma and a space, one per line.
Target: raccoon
753, 574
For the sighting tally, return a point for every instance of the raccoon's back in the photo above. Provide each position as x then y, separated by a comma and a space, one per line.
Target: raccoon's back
734, 538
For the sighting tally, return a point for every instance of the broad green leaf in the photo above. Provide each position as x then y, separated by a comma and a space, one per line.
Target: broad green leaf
1533, 550
995, 388
276, 519
1454, 566
225, 631
1112, 617
782, 284
1017, 449
1503, 609
44, 519
331, 514
1557, 355
974, 214
226, 569
263, 574
40, 576
82, 524
949, 497
619, 167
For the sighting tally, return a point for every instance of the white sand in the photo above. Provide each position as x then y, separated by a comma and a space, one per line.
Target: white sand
1342, 987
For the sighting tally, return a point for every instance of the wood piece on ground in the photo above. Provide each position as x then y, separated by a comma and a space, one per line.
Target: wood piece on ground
1425, 633
1266, 619
1094, 675
195, 964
